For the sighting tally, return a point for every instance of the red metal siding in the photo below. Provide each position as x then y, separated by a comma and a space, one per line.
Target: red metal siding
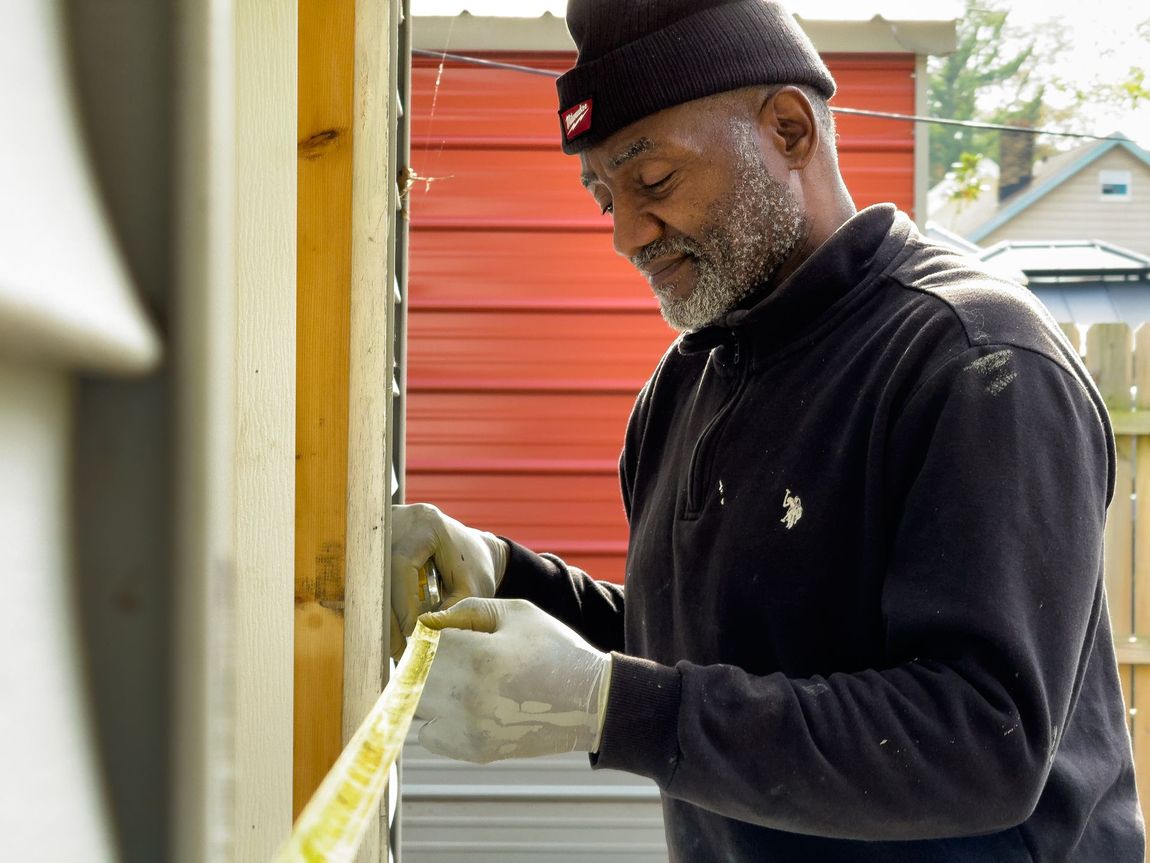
528, 336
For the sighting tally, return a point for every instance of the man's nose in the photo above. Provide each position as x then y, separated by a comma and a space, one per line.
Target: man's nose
634, 228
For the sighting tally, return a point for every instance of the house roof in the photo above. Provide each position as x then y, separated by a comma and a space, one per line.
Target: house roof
1089, 303
1060, 169
1068, 259
1081, 282
899, 26
940, 234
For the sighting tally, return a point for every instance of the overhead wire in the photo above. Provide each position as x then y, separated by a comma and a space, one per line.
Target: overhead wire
854, 112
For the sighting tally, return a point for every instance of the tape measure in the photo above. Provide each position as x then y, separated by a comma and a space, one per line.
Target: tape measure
331, 826
430, 587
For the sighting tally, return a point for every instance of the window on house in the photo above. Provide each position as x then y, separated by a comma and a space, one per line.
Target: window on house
1115, 185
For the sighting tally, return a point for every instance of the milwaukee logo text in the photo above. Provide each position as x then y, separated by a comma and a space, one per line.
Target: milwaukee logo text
577, 120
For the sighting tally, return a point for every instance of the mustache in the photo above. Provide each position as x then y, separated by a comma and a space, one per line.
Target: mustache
666, 248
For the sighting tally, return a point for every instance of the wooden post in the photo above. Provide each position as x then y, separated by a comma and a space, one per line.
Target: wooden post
265, 413
367, 607
1109, 356
1073, 334
345, 331
1137, 676
326, 112
1142, 487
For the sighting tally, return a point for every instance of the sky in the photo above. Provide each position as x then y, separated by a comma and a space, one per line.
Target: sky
1105, 45
1105, 42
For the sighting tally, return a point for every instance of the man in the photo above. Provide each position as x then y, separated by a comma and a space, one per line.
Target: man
864, 616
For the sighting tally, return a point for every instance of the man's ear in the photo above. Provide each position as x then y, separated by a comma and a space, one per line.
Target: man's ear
787, 123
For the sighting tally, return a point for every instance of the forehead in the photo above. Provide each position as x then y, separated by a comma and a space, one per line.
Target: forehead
682, 129
610, 156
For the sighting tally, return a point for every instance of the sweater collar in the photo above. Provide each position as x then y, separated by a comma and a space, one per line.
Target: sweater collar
849, 257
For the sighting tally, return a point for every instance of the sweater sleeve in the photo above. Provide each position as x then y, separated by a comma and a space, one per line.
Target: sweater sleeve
997, 481
592, 608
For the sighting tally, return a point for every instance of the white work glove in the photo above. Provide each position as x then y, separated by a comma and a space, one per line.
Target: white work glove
510, 681
470, 562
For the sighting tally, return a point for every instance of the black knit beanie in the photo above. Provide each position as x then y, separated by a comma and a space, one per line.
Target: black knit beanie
637, 57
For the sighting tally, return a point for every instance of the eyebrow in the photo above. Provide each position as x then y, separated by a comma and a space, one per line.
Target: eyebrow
641, 145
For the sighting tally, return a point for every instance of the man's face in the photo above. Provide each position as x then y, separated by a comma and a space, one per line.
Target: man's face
695, 209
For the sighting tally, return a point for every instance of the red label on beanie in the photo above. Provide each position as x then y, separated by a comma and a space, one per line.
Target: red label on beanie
577, 120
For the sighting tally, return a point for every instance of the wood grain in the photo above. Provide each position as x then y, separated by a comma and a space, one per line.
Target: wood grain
1136, 678
1142, 487
319, 667
265, 417
326, 33
1073, 334
1140, 733
1119, 550
366, 652
1109, 357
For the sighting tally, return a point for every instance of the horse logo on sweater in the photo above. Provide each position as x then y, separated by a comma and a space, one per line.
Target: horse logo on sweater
793, 510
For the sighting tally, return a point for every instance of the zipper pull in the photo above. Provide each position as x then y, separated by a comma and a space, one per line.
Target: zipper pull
737, 347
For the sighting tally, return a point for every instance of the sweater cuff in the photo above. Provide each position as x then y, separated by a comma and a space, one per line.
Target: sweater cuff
641, 727
527, 573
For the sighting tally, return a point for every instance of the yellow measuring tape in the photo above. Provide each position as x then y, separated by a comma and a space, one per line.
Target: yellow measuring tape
331, 826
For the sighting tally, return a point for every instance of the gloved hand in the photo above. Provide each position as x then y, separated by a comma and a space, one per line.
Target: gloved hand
470, 562
510, 681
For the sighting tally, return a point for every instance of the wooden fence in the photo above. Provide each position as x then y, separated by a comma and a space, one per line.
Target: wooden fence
1118, 357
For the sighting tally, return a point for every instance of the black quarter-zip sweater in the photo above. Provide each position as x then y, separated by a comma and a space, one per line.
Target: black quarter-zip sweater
864, 615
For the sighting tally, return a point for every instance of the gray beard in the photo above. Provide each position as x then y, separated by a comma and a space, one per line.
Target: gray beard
745, 237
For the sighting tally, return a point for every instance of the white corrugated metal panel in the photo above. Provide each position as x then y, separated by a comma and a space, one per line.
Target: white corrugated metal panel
824, 10
833, 25
537, 810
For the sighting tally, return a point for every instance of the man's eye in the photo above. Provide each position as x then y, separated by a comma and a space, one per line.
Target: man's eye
658, 184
